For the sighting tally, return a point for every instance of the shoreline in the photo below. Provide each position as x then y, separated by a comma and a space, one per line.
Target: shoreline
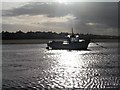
45, 41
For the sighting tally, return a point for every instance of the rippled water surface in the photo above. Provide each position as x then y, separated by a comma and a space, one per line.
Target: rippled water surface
31, 66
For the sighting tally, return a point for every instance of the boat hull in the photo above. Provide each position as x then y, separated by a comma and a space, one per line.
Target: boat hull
70, 46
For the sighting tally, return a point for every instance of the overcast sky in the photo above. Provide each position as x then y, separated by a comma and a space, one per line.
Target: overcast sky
84, 17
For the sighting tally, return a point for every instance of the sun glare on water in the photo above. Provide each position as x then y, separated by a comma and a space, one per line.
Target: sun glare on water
70, 59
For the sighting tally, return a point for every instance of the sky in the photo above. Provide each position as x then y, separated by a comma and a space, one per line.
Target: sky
99, 18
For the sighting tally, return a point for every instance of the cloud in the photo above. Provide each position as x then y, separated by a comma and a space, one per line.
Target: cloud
54, 27
87, 17
37, 22
96, 12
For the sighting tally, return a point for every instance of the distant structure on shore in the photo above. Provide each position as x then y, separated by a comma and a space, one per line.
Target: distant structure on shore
48, 35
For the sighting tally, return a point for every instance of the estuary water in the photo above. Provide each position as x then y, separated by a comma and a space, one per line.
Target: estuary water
33, 67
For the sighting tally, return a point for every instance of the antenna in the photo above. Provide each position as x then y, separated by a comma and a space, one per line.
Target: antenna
72, 31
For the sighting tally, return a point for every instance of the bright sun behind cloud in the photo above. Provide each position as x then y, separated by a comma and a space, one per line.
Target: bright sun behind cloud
62, 1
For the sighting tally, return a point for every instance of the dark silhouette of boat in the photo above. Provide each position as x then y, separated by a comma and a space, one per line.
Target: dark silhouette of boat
72, 43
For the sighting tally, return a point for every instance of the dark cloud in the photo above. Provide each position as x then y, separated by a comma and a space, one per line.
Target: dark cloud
103, 13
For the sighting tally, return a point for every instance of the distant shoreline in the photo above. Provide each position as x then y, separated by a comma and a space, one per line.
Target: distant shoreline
45, 41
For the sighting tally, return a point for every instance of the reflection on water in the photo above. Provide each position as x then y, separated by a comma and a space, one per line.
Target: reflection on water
69, 64
78, 69
34, 67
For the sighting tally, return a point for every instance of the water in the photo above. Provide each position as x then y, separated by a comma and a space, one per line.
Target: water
32, 67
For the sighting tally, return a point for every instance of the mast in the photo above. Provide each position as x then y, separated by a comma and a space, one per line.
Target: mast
72, 31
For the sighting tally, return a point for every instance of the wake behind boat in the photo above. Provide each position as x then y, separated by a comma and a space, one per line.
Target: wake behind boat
72, 43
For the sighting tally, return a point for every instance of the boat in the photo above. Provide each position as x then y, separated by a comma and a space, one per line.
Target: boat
72, 42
